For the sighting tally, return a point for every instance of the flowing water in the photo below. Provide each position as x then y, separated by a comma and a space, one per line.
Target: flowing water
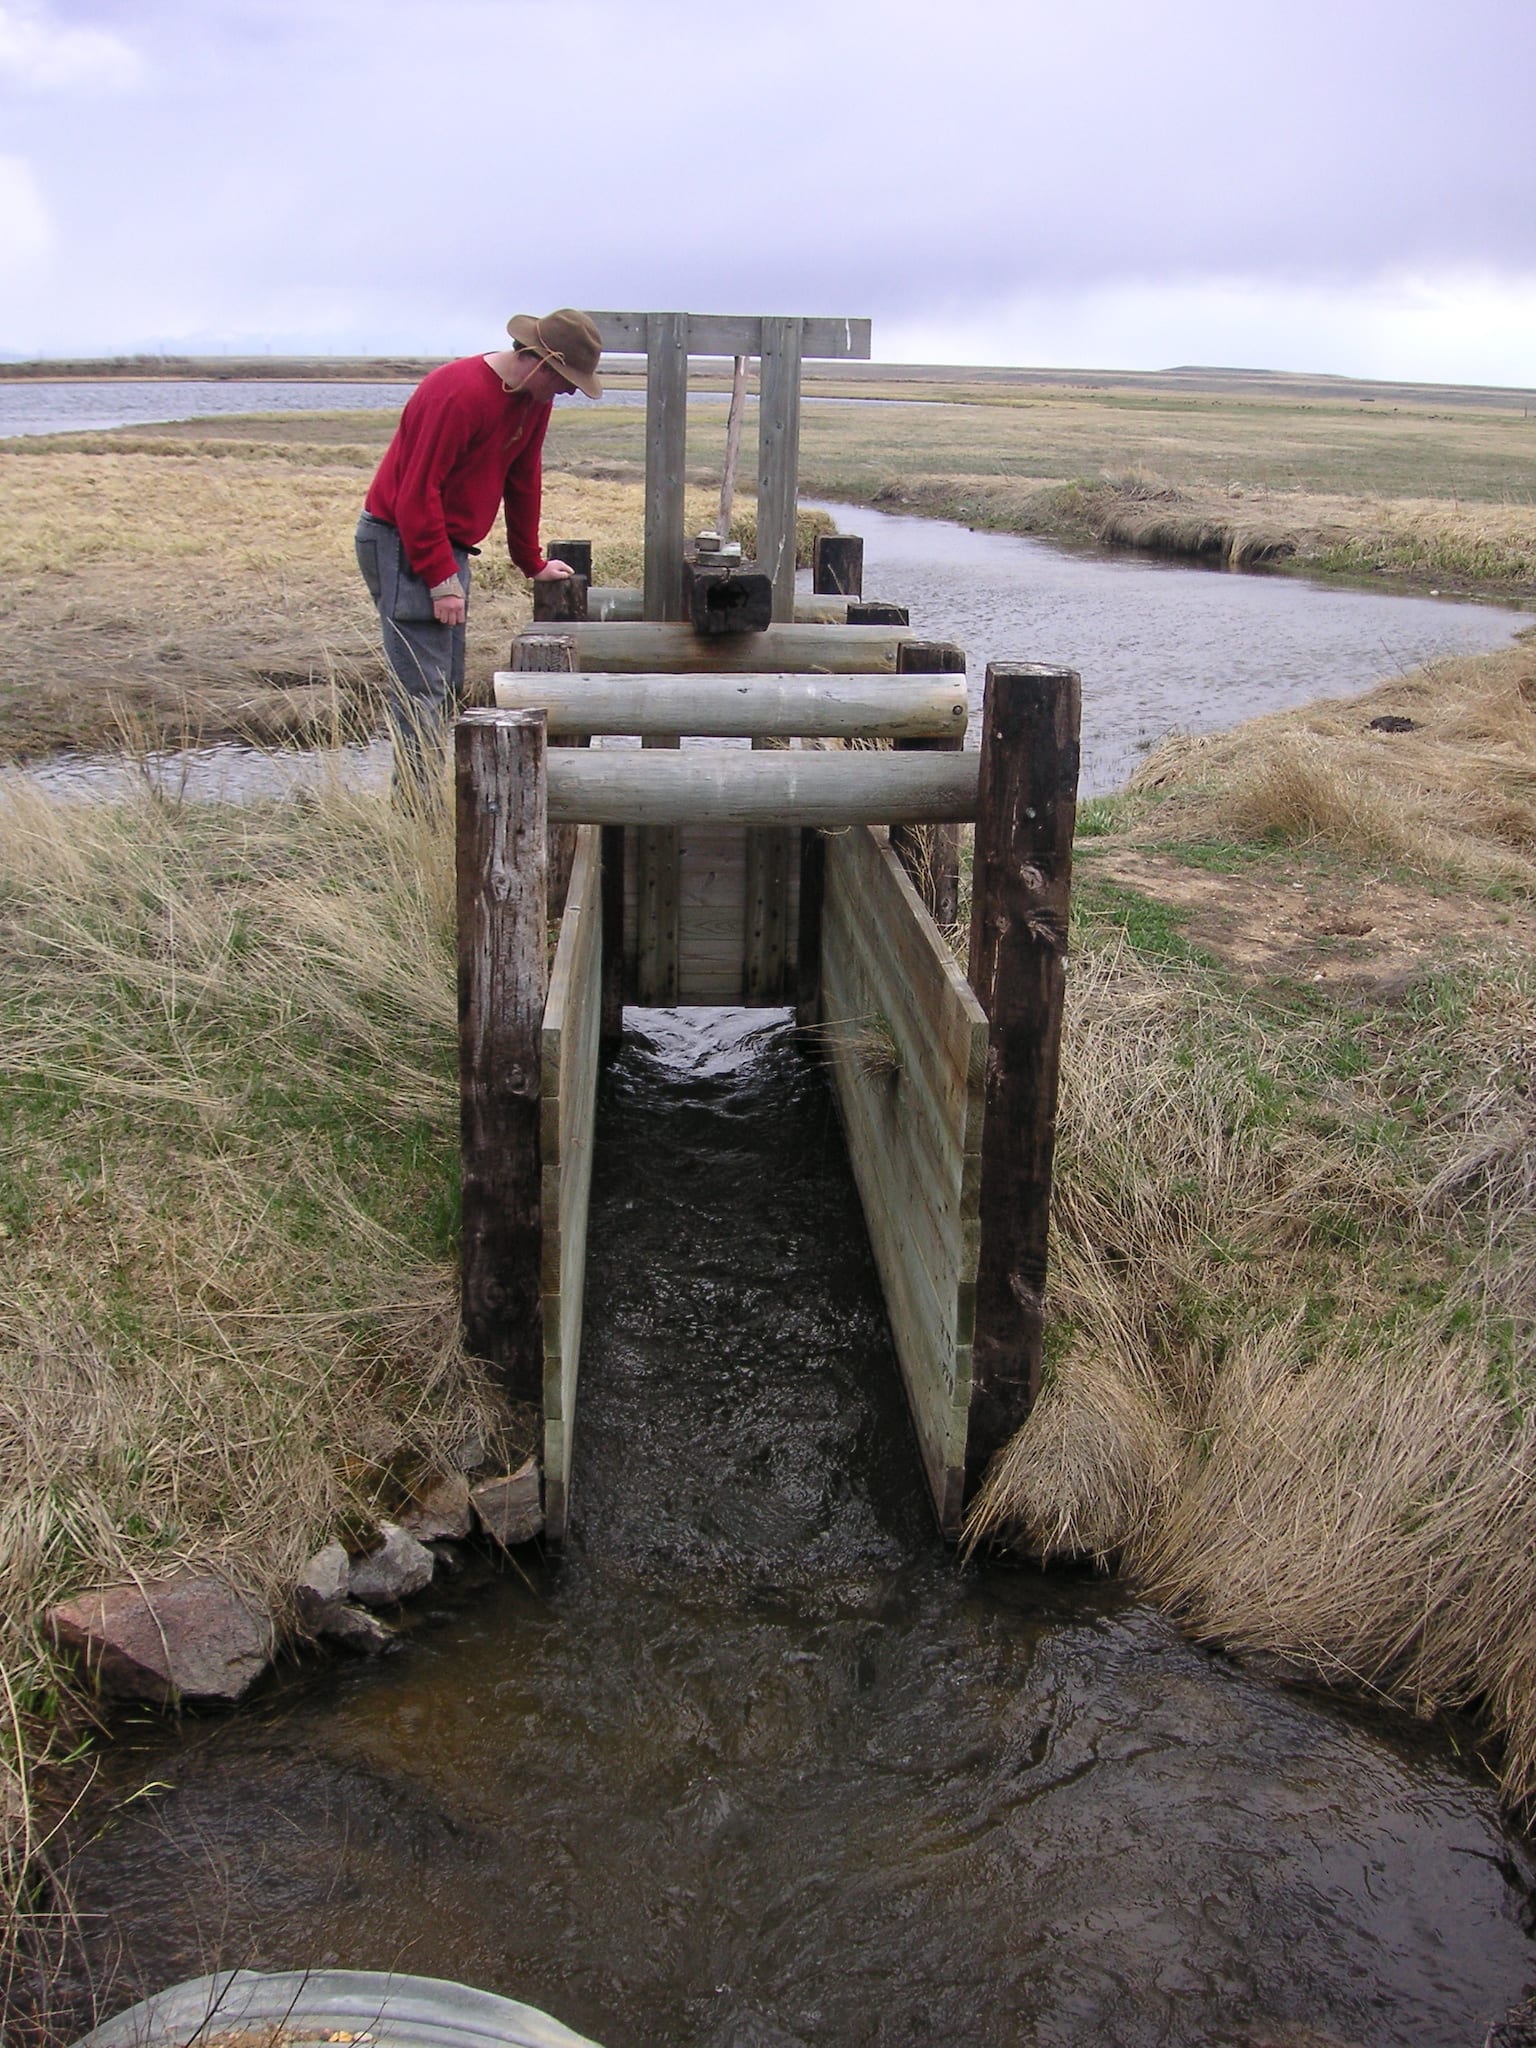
760, 1764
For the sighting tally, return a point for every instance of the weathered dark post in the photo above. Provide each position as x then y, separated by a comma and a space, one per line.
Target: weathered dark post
611, 1024
501, 825
564, 597
931, 853
576, 555
1026, 813
874, 613
552, 654
837, 565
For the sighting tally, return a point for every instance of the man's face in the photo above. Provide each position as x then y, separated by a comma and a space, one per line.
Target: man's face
545, 381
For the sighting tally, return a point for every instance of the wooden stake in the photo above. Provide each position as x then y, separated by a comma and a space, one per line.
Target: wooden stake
666, 446
564, 597
837, 565
778, 459
502, 904
931, 853
612, 1027
813, 890
1026, 812
874, 613
553, 654
732, 445
576, 554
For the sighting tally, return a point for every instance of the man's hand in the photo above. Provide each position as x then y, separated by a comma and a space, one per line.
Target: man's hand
553, 572
448, 611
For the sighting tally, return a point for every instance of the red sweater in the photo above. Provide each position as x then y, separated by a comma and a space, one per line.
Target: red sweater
464, 445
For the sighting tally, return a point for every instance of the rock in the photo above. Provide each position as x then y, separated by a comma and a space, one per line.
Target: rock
188, 1638
398, 1568
355, 1628
441, 1509
323, 1581
472, 1452
510, 1508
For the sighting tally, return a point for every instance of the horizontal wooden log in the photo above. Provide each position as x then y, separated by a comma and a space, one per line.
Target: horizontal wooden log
736, 334
619, 602
665, 647
745, 705
732, 786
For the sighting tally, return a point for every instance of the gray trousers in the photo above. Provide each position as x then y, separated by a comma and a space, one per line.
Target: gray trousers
426, 660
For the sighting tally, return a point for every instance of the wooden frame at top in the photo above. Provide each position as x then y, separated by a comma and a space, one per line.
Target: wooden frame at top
734, 334
781, 343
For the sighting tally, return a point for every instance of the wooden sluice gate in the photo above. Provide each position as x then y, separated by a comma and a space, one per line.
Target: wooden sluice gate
784, 834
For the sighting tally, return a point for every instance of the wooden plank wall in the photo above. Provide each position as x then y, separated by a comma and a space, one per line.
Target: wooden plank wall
913, 1125
712, 922
572, 1026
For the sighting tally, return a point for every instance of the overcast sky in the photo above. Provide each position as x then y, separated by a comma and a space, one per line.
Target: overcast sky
1336, 185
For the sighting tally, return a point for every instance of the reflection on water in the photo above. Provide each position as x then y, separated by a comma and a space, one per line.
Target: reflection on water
759, 1765
1160, 645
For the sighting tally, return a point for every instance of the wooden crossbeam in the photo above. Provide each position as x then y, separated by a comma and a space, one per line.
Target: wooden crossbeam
734, 334
732, 786
744, 705
657, 647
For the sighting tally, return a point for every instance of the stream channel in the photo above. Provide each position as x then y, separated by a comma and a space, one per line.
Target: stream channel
759, 1764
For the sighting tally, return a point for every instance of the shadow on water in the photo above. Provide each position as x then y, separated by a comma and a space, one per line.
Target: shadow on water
758, 1765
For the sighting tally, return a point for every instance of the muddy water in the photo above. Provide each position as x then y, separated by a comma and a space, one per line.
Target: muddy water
759, 1765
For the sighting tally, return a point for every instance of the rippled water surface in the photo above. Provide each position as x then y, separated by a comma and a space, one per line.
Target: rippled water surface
759, 1765
1160, 645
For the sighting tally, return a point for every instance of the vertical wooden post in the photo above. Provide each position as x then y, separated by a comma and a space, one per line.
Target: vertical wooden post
813, 890
778, 459
732, 444
837, 565
552, 654
501, 819
562, 598
666, 448
1021, 887
931, 853
576, 555
611, 1027
874, 613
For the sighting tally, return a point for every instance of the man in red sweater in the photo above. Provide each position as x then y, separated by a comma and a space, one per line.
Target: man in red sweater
470, 440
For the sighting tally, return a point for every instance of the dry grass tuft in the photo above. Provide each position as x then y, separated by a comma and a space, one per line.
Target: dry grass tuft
228, 1181
1291, 1382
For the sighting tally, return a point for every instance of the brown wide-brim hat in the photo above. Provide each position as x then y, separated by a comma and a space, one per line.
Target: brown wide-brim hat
568, 342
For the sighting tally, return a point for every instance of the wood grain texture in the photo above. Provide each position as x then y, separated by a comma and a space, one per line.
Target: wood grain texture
625, 601
551, 654
778, 459
1020, 893
563, 597
502, 868
907, 1042
734, 334
931, 853
730, 786
571, 1040
666, 462
657, 647
613, 933
837, 565
746, 704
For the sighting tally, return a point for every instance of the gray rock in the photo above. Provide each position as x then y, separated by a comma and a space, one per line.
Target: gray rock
187, 1638
398, 1568
441, 1509
323, 1580
355, 1628
510, 1507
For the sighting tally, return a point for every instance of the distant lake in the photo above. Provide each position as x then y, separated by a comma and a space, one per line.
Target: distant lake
91, 405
